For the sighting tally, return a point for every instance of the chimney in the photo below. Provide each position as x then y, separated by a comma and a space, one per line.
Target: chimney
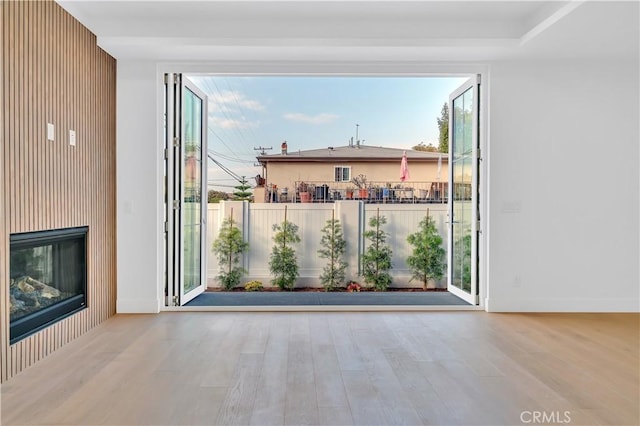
284, 148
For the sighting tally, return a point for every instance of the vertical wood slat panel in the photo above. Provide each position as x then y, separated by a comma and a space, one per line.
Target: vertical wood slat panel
48, 195
17, 53
3, 177
53, 72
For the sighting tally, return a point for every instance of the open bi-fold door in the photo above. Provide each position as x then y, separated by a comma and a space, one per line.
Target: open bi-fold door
464, 218
186, 189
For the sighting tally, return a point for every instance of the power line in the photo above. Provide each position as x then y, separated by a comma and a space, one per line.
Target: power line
241, 180
237, 129
207, 82
224, 168
219, 185
233, 93
211, 91
226, 157
211, 96
219, 138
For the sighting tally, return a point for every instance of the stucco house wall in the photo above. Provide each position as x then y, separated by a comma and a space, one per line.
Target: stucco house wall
380, 166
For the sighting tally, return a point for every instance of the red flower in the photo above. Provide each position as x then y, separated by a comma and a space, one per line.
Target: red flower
353, 286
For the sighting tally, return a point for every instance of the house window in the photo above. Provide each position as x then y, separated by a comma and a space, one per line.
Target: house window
342, 174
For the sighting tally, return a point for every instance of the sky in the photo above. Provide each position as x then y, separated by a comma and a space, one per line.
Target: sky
246, 113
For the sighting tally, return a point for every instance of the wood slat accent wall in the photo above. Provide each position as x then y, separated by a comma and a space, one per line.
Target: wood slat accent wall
52, 71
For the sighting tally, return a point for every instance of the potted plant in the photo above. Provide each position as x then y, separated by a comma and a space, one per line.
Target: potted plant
349, 193
427, 259
305, 195
360, 182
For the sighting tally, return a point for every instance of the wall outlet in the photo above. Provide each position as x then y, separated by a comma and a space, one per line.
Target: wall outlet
72, 137
511, 206
517, 281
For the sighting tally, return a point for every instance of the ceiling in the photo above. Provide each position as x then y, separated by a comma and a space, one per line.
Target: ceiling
358, 30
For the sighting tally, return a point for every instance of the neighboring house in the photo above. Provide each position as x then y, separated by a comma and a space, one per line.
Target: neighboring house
292, 171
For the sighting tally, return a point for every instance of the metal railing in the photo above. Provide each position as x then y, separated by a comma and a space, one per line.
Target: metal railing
373, 192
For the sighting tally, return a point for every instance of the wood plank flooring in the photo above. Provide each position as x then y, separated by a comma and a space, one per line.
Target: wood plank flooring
338, 368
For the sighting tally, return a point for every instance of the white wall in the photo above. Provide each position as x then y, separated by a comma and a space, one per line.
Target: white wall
139, 153
562, 158
563, 167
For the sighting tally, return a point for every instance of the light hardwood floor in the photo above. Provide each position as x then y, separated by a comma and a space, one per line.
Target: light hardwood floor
364, 368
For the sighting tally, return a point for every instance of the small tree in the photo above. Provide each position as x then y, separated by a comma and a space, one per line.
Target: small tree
425, 148
427, 259
214, 196
283, 264
377, 257
443, 128
242, 192
228, 247
333, 248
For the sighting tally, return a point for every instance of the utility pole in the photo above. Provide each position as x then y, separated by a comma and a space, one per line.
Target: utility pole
357, 125
262, 149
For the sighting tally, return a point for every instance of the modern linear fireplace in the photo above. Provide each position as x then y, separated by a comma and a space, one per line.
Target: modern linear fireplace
48, 278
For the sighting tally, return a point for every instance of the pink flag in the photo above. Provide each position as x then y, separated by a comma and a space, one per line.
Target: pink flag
404, 167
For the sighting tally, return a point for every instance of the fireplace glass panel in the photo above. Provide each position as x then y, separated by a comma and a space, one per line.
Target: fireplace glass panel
47, 278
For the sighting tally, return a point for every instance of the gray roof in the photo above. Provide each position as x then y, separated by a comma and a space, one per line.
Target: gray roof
361, 153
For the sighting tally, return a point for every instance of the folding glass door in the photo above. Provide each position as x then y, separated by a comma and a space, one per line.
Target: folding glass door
186, 189
463, 192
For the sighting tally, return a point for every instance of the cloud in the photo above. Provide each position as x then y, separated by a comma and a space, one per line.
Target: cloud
233, 101
311, 119
229, 123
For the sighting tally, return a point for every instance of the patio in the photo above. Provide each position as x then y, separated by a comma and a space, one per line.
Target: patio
320, 298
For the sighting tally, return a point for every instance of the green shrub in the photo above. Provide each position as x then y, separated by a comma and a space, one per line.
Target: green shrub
377, 257
283, 263
427, 259
228, 247
333, 248
253, 286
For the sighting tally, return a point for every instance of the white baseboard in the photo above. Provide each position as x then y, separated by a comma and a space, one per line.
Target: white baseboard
138, 306
562, 305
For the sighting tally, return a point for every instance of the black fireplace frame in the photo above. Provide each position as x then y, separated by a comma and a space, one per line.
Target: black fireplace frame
36, 321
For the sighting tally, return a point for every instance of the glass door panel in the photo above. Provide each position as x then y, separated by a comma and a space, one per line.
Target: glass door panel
192, 196
186, 180
463, 201
193, 201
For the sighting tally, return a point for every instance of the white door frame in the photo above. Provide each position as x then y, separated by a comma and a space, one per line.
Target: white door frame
368, 69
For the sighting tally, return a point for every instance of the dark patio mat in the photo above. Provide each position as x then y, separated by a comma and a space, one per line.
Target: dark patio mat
270, 298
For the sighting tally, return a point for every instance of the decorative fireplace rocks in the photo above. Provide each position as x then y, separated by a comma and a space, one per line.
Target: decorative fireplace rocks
48, 278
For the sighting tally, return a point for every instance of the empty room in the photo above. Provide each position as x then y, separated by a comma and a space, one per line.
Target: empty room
120, 118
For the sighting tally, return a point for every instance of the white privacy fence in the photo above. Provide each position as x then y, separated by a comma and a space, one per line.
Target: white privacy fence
256, 221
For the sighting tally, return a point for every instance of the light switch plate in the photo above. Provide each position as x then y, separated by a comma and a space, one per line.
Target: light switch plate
51, 132
72, 137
